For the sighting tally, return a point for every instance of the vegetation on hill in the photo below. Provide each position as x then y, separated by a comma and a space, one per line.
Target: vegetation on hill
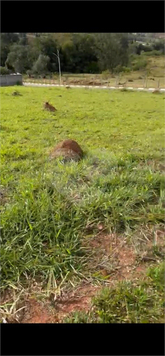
36, 54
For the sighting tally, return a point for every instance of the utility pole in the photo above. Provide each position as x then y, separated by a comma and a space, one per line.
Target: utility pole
59, 65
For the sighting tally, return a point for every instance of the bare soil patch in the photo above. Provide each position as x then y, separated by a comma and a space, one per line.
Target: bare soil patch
113, 258
38, 312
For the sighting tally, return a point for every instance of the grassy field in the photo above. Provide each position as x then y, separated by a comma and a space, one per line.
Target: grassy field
58, 219
152, 76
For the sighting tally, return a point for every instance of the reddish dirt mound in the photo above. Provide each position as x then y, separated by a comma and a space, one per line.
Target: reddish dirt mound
156, 91
69, 149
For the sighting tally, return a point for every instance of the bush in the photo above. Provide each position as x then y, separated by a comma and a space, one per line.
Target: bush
41, 65
159, 45
92, 68
4, 71
139, 64
126, 70
120, 69
18, 82
105, 74
29, 72
154, 53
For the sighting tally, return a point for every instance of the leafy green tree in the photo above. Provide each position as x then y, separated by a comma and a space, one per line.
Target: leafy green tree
4, 71
41, 65
159, 45
18, 58
79, 55
108, 51
6, 41
48, 46
9, 38
123, 49
23, 39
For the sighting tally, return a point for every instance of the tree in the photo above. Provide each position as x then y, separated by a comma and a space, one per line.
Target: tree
7, 40
123, 49
159, 45
23, 39
79, 55
41, 65
5, 49
48, 46
34, 50
4, 71
18, 58
108, 51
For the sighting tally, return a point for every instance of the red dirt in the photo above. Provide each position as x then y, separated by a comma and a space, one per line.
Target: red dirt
54, 312
119, 252
125, 266
67, 149
37, 313
79, 300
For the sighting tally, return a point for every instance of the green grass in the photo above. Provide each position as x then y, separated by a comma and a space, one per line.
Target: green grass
49, 203
128, 302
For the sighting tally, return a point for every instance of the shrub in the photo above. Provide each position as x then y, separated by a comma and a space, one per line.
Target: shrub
126, 69
18, 82
92, 68
120, 68
154, 53
41, 65
105, 74
139, 64
4, 71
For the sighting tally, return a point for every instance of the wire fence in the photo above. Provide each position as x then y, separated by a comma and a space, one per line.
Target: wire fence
116, 82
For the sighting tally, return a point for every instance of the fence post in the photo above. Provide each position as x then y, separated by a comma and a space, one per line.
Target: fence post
144, 82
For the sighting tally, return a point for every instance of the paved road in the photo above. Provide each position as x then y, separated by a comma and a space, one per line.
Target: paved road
89, 86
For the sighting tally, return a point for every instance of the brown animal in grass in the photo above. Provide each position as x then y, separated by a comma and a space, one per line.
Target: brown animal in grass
49, 107
16, 93
68, 87
156, 91
68, 150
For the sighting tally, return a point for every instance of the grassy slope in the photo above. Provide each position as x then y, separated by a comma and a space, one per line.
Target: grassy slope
48, 204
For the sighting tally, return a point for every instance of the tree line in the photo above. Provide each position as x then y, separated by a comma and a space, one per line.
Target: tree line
79, 53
